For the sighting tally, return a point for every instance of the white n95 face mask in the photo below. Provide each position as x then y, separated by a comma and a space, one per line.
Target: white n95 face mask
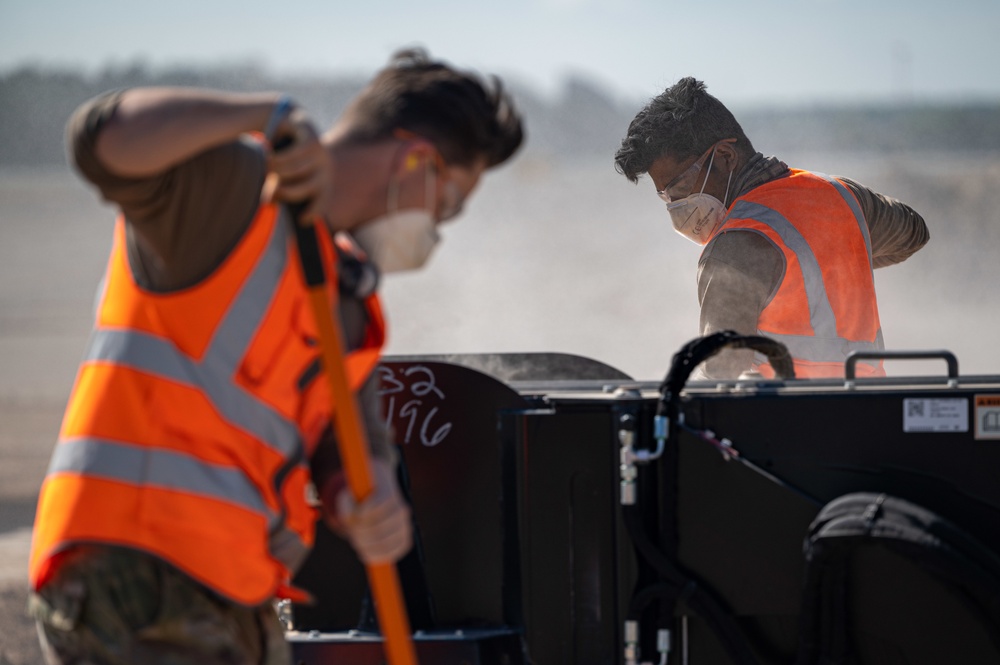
399, 241
697, 216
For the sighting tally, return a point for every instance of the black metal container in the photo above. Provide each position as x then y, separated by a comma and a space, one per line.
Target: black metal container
525, 552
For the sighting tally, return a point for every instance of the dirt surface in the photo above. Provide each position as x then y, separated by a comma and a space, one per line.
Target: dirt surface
18, 640
28, 430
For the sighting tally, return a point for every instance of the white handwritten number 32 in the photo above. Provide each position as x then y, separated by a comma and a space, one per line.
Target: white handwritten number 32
416, 383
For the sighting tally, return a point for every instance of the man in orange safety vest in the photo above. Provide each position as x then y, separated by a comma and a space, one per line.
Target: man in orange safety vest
196, 445
788, 253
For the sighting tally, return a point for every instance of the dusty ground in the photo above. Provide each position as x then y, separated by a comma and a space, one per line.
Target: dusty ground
20, 644
27, 432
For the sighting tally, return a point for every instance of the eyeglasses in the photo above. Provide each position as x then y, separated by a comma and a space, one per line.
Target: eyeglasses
670, 194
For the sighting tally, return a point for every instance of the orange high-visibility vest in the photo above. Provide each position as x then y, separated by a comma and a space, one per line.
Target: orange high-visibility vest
193, 417
825, 306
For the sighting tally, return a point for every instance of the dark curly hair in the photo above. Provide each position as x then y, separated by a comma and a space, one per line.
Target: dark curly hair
683, 121
464, 118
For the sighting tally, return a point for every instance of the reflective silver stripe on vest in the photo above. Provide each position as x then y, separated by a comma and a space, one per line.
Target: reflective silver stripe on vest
859, 216
214, 375
821, 317
157, 467
823, 350
160, 357
825, 345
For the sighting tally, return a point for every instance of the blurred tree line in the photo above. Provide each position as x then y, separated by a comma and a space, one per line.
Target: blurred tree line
583, 120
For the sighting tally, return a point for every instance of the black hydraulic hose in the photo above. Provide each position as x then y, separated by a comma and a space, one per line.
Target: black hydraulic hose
696, 352
697, 596
701, 349
678, 583
648, 594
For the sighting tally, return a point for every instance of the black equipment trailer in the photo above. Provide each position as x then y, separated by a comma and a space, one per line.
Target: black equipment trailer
567, 514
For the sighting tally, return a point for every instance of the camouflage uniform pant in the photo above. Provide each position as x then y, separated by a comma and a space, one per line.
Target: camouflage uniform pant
113, 606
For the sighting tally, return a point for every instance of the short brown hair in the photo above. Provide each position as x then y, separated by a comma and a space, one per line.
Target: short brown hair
454, 110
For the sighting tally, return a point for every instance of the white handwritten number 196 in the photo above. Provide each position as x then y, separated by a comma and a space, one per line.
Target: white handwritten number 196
417, 381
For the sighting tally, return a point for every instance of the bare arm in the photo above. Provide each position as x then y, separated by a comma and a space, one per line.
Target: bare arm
154, 129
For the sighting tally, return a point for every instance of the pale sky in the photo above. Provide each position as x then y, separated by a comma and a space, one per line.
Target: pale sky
760, 52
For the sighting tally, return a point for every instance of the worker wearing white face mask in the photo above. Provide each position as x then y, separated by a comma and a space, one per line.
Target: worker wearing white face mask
403, 239
697, 216
204, 316
788, 254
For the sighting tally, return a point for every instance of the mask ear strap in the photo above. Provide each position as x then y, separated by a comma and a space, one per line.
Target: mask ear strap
433, 160
424, 152
408, 160
725, 201
392, 194
709, 169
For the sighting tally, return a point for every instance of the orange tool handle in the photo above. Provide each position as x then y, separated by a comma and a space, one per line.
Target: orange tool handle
383, 578
347, 419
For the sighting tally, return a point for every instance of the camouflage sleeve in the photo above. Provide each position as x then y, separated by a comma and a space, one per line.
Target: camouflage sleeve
896, 230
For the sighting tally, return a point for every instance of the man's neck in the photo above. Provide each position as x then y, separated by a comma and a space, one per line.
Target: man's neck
360, 174
755, 172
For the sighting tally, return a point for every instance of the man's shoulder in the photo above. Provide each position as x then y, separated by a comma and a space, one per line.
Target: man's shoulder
799, 185
193, 216
737, 245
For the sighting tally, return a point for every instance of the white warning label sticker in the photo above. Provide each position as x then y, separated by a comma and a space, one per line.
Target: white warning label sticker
988, 417
936, 415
